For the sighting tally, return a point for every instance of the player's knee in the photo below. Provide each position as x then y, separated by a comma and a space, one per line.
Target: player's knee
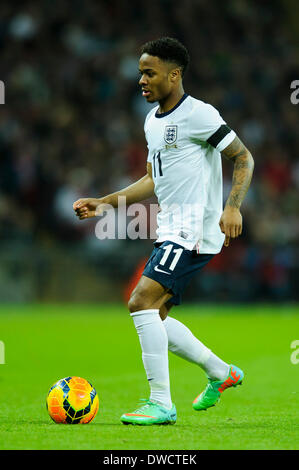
138, 302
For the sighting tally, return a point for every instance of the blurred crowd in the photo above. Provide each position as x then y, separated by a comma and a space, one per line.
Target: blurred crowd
72, 124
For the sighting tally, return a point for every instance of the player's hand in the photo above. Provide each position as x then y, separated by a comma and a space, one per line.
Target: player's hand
231, 224
88, 207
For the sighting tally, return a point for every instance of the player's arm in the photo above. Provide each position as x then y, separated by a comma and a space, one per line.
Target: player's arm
136, 192
231, 219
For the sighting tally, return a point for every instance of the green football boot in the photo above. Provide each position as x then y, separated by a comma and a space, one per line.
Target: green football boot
150, 413
211, 395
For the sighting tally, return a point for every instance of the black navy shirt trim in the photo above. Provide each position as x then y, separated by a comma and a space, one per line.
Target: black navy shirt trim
161, 115
216, 138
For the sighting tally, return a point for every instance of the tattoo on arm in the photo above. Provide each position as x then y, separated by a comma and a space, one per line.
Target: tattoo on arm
242, 174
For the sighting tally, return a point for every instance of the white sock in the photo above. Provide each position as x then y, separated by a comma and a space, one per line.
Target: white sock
154, 344
184, 344
215, 368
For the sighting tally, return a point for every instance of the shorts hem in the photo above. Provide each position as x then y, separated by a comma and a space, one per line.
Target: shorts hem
168, 285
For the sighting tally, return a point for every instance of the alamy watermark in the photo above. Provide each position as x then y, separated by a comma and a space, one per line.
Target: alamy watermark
295, 354
138, 221
2, 92
2, 353
295, 94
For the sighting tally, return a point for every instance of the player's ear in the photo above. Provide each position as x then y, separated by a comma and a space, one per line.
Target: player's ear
175, 74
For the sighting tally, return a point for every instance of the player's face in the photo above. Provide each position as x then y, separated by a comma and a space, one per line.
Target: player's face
156, 81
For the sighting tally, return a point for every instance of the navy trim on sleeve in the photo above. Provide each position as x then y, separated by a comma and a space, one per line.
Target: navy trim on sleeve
216, 138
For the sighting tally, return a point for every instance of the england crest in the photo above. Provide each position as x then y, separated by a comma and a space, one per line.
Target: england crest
170, 134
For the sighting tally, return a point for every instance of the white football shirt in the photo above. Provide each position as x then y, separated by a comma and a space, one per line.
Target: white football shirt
184, 146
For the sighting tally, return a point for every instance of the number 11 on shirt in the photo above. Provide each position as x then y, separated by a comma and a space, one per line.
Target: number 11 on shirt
159, 163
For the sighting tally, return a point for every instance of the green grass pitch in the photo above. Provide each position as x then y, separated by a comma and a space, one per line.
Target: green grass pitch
99, 343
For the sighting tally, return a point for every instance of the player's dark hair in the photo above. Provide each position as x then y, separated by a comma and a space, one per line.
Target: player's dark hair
169, 50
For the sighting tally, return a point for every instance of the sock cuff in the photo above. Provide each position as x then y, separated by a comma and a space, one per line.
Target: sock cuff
151, 311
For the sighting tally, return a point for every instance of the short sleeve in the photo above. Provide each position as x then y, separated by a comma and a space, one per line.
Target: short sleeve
206, 125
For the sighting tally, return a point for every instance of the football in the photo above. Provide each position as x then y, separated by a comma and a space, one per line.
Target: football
72, 400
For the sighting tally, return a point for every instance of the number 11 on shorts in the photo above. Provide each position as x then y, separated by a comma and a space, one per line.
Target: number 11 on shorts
168, 249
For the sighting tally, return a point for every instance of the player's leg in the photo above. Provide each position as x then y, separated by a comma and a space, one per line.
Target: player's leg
165, 309
148, 294
144, 305
185, 345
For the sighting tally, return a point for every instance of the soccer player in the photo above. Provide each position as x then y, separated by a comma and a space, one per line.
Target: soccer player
186, 138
